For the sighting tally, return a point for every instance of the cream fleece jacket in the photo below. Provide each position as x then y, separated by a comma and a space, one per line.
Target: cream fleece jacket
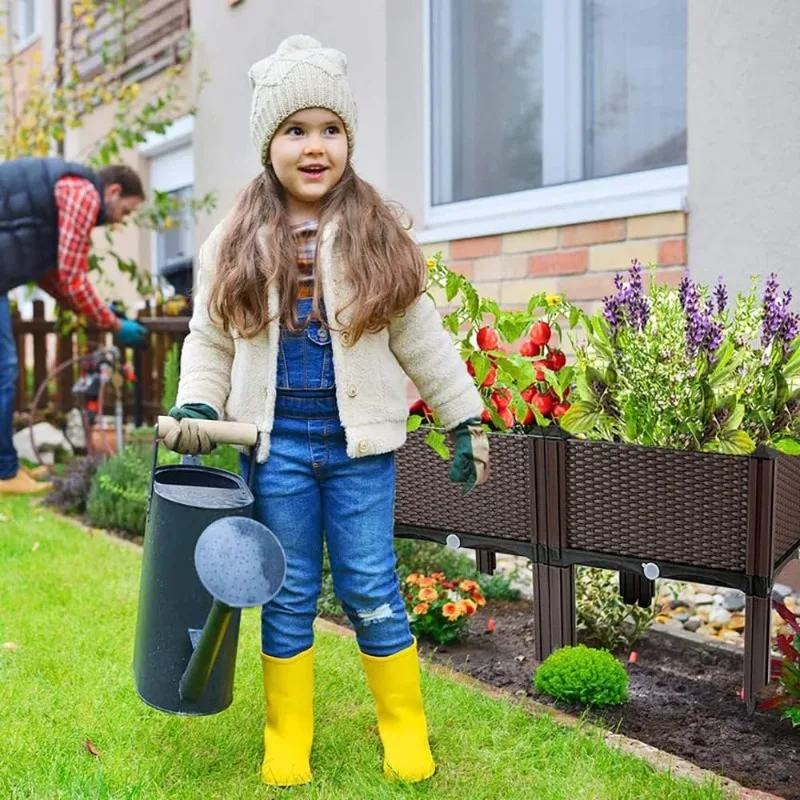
236, 376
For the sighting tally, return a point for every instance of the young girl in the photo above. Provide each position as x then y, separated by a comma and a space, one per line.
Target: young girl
310, 307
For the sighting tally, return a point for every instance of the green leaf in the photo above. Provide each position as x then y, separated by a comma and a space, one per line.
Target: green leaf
735, 443
413, 422
452, 286
787, 445
736, 418
482, 366
435, 439
537, 301
582, 387
574, 316
792, 365
582, 417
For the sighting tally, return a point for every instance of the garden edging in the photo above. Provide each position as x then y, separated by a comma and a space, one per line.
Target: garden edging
658, 759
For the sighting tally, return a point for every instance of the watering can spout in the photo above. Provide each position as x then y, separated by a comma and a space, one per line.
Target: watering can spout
206, 644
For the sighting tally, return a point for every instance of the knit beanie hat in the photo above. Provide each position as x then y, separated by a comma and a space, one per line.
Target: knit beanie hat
300, 74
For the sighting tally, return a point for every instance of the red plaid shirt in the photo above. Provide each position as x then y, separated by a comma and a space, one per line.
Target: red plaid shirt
78, 204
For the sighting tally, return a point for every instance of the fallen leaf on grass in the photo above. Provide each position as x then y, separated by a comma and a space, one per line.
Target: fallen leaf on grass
35, 546
12, 646
91, 748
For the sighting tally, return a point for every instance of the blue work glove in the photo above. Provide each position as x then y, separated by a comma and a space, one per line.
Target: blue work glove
132, 334
471, 459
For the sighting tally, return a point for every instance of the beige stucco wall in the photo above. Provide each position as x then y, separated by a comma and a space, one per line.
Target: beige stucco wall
744, 160
382, 40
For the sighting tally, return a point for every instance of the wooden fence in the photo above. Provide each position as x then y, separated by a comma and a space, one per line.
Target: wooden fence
42, 349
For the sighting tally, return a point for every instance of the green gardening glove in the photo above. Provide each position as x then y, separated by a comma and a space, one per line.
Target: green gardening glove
193, 411
471, 460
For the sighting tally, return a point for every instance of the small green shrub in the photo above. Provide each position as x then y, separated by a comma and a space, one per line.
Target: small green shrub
171, 378
71, 487
583, 675
603, 615
118, 495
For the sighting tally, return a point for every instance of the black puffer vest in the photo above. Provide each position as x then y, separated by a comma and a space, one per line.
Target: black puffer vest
29, 217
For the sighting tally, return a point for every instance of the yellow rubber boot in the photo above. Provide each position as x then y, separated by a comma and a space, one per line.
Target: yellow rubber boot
289, 692
394, 682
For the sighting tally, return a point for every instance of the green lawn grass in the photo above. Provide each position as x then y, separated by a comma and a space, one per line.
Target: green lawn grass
68, 604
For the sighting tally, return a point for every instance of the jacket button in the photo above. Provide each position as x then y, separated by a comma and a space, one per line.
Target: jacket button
346, 337
323, 335
352, 391
363, 446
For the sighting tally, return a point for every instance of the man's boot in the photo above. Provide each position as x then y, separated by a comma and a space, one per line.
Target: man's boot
22, 483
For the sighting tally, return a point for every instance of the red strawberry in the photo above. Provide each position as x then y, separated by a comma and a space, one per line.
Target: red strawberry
559, 409
540, 333
470, 369
488, 338
421, 409
501, 398
527, 394
527, 417
507, 417
543, 403
486, 416
529, 349
557, 359
491, 377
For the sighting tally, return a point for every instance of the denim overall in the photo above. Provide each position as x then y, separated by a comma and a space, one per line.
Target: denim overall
310, 486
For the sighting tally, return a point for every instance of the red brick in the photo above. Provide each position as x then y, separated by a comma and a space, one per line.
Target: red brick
672, 252
612, 230
465, 268
670, 277
476, 248
561, 262
587, 287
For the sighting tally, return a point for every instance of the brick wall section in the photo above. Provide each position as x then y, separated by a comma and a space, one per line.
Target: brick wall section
580, 260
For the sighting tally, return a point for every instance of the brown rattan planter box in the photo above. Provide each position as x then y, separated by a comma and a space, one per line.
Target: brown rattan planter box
726, 520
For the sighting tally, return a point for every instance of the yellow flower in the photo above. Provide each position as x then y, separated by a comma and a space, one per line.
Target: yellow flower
168, 223
412, 579
479, 598
451, 611
426, 581
468, 586
431, 262
553, 299
420, 609
427, 595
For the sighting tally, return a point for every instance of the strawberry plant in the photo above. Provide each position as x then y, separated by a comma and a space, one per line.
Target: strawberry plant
786, 670
679, 369
514, 357
439, 609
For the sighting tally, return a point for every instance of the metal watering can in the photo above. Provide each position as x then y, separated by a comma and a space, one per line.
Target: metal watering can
204, 560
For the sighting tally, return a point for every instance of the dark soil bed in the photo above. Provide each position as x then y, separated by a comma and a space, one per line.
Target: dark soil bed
684, 698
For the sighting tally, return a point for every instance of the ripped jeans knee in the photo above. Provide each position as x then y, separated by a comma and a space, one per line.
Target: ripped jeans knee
381, 627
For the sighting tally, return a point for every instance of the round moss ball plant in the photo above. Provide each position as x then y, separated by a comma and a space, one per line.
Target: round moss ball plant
583, 675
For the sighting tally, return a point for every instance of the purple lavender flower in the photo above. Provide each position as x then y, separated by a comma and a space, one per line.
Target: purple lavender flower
611, 313
629, 305
790, 329
702, 334
683, 291
720, 295
774, 311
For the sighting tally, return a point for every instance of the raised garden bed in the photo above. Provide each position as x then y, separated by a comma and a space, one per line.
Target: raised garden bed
721, 519
684, 698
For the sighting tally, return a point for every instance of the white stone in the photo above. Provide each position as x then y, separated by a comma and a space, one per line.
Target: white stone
719, 616
780, 591
734, 600
75, 433
703, 599
48, 439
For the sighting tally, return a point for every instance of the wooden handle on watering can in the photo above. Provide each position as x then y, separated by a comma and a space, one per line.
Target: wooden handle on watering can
241, 433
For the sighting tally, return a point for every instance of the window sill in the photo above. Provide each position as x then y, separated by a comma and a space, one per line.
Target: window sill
20, 47
636, 194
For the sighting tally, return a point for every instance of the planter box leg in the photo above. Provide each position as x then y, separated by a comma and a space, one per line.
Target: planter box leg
553, 608
756, 648
486, 561
636, 589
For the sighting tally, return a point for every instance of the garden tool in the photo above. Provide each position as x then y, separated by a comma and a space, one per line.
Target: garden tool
204, 560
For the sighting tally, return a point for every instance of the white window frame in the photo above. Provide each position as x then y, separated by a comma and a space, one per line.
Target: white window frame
569, 200
35, 35
171, 165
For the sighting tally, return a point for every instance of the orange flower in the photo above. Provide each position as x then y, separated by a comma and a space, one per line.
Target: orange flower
420, 609
468, 607
451, 611
425, 581
427, 595
412, 579
478, 598
469, 586
439, 576
447, 584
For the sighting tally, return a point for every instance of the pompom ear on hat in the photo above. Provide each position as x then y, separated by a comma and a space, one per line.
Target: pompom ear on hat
300, 74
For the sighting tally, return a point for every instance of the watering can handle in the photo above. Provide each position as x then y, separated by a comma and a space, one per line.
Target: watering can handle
241, 433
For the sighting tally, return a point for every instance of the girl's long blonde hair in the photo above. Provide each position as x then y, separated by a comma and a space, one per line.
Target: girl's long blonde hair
385, 267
